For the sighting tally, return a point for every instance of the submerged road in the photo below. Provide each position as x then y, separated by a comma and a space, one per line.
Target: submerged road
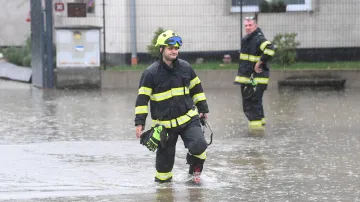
58, 145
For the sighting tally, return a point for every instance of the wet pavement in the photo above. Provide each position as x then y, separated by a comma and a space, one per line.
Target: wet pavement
58, 145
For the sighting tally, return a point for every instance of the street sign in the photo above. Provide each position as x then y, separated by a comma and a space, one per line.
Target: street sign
59, 7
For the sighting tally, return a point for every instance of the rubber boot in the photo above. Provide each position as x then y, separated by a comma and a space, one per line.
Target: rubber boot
195, 171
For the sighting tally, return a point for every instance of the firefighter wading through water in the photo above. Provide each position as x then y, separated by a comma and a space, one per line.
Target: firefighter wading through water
177, 101
253, 73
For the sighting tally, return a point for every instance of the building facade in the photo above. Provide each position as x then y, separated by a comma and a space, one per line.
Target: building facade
206, 26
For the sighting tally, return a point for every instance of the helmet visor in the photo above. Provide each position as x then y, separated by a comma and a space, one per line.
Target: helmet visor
173, 40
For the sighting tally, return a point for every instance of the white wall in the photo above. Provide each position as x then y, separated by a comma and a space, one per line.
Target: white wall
329, 24
208, 25
13, 26
204, 25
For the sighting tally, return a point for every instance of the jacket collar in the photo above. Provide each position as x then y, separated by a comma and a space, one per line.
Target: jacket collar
254, 33
167, 67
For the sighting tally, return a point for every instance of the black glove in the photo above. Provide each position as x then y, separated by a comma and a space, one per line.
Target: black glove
249, 90
153, 137
145, 137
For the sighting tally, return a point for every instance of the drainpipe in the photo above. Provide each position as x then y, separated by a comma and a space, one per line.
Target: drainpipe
104, 34
241, 20
134, 59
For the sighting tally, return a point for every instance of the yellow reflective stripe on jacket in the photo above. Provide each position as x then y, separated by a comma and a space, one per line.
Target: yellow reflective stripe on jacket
193, 82
173, 122
269, 52
141, 110
163, 176
182, 119
261, 80
145, 91
178, 121
264, 44
251, 58
169, 94
242, 79
201, 156
198, 97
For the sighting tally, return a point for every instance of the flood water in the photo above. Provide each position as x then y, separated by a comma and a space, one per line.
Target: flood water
58, 145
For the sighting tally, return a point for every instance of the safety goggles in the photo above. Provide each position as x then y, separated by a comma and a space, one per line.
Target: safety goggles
249, 18
173, 40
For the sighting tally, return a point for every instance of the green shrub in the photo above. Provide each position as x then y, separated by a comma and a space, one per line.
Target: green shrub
22, 55
19, 55
15, 55
278, 7
26, 62
285, 48
152, 50
264, 6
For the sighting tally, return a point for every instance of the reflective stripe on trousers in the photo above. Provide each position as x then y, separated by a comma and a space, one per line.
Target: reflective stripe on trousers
163, 176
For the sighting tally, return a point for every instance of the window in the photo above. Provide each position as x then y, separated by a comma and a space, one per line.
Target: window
247, 5
294, 1
298, 5
76, 10
252, 5
90, 5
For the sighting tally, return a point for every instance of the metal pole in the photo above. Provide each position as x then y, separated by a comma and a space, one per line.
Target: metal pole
37, 44
49, 82
241, 20
104, 35
134, 60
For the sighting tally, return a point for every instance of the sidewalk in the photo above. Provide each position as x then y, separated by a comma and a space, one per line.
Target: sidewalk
223, 79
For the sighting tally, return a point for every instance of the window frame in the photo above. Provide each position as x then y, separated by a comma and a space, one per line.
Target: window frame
289, 7
299, 7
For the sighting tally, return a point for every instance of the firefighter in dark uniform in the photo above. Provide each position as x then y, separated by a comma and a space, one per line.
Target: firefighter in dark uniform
253, 73
177, 102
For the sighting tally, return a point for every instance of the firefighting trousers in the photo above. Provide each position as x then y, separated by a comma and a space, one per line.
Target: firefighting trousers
253, 103
194, 140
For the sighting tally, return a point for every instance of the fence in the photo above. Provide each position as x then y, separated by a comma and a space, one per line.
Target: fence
327, 30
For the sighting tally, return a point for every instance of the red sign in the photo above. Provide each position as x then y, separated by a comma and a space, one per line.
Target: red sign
59, 7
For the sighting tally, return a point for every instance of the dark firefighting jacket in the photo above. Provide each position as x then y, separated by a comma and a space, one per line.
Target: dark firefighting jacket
173, 94
254, 48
